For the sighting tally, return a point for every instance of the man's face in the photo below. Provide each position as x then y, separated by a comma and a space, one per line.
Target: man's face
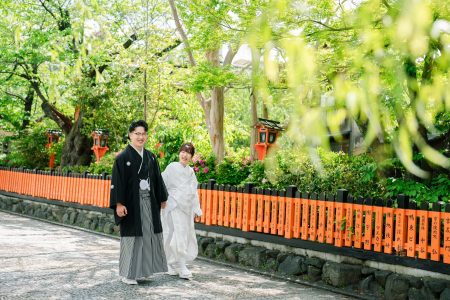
138, 137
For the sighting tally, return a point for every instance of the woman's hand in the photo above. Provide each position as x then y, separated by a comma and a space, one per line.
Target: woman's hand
121, 210
163, 204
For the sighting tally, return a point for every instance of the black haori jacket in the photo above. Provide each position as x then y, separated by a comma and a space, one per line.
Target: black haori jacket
125, 189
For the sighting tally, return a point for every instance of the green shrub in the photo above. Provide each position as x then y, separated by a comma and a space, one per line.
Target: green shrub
438, 189
232, 170
28, 149
328, 173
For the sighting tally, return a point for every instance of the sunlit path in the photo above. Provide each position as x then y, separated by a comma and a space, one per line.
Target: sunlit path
45, 261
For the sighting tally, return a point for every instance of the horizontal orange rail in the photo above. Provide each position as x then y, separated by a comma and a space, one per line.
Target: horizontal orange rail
342, 221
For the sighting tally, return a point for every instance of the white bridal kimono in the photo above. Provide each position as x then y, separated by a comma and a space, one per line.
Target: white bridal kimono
180, 242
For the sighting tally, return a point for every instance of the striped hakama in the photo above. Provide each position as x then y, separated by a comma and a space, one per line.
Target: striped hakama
142, 256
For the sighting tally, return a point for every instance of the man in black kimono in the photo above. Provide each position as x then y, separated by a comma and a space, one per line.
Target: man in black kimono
137, 196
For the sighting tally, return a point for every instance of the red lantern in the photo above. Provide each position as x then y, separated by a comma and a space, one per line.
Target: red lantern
100, 143
267, 135
52, 137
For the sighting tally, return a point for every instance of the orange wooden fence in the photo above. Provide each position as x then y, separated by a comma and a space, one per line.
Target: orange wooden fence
343, 221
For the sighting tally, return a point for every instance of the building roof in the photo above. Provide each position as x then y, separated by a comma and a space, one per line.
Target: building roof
270, 124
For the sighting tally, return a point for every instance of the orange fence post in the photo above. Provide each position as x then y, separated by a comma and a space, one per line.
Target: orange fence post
358, 206
340, 219
246, 206
297, 214
47, 185
368, 226
260, 210
226, 213
281, 212
349, 226
233, 199
221, 203
329, 233
321, 223
214, 204
239, 204
107, 191
203, 202
400, 223
208, 206
435, 247
274, 216
446, 217
388, 227
305, 216
422, 214
267, 208
84, 197
313, 217
252, 219
290, 199
411, 230
378, 233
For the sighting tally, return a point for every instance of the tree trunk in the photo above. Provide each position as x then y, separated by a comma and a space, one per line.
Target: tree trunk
265, 111
77, 146
216, 113
254, 131
215, 126
28, 104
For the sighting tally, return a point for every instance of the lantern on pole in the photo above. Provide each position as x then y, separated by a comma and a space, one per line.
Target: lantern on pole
267, 135
100, 143
52, 137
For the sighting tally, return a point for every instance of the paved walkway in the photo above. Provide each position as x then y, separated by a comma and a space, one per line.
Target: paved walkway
39, 260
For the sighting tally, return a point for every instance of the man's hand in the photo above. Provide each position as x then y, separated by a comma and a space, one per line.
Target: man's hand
121, 210
163, 204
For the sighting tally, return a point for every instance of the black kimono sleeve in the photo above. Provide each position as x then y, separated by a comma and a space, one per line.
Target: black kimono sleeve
118, 187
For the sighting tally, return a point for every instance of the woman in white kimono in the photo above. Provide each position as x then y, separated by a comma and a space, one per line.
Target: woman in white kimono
180, 242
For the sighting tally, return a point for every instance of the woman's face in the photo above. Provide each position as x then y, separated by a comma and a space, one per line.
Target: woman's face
138, 137
185, 158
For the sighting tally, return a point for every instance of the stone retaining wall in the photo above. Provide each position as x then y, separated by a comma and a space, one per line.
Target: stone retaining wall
353, 278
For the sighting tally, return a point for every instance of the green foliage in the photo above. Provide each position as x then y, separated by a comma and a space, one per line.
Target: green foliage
330, 172
257, 175
104, 165
28, 149
232, 170
438, 189
207, 76
170, 141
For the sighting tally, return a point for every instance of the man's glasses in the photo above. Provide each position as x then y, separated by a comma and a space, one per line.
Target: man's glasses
140, 133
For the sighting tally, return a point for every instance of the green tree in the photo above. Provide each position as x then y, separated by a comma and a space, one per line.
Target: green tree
384, 64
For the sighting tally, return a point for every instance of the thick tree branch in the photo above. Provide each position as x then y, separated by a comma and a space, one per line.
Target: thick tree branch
176, 18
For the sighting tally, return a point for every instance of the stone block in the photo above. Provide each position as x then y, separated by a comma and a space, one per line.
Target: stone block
314, 261
210, 250
340, 275
291, 265
203, 243
381, 276
232, 252
314, 273
253, 256
435, 285
367, 270
397, 287
445, 295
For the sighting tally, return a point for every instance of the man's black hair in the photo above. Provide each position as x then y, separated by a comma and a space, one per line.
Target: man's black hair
139, 123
